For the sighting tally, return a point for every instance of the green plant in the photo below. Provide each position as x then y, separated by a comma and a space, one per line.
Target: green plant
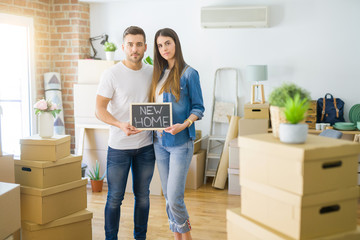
279, 95
148, 60
109, 47
296, 108
94, 174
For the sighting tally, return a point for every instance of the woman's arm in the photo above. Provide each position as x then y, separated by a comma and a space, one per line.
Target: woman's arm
176, 128
195, 94
196, 105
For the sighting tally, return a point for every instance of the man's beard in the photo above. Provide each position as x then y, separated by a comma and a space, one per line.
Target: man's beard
131, 59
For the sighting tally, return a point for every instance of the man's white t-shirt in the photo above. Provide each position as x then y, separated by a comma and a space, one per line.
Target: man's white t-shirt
125, 86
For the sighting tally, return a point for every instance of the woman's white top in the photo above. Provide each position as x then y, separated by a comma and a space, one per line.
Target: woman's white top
159, 97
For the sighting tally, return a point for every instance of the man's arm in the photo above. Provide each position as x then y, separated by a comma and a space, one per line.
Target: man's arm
103, 114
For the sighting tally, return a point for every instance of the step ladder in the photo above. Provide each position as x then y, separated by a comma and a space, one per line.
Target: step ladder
220, 110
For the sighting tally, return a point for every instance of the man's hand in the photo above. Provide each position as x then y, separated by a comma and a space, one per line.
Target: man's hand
128, 129
102, 114
176, 128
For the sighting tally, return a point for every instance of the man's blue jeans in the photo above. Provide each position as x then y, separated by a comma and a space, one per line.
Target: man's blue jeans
141, 161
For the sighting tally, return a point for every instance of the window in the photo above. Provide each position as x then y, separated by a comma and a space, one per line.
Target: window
15, 81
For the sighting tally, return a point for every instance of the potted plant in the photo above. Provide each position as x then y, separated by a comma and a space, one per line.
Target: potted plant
96, 180
277, 100
110, 49
148, 60
295, 111
46, 110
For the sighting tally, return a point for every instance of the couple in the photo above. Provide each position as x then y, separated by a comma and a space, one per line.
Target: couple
131, 81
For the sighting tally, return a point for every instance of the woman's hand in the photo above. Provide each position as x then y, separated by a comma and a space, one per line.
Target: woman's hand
176, 128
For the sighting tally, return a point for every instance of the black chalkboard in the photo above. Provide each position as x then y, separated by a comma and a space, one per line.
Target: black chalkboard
151, 116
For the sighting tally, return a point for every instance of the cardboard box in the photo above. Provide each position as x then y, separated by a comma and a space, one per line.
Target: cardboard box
320, 164
233, 183
9, 209
252, 126
89, 121
14, 236
45, 205
7, 173
359, 174
45, 149
300, 217
197, 146
234, 154
41, 174
195, 177
85, 108
72, 227
241, 227
310, 120
96, 139
197, 134
90, 71
312, 107
197, 143
257, 111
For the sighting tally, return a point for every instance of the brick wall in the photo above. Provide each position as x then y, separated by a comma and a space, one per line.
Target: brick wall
69, 38
62, 30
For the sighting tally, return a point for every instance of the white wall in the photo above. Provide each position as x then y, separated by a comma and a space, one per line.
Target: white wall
313, 43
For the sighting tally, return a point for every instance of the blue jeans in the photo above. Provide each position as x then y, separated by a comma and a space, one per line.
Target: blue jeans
141, 161
173, 164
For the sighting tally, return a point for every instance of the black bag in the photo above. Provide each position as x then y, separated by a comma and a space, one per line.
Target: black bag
330, 110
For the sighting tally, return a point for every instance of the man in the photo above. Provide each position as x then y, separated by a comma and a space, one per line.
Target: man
127, 82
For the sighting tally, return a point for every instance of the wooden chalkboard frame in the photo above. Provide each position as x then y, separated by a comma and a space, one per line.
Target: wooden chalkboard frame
151, 104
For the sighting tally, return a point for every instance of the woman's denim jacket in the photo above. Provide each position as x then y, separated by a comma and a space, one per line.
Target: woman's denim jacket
190, 102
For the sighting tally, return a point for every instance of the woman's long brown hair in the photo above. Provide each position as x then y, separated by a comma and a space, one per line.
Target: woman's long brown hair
172, 83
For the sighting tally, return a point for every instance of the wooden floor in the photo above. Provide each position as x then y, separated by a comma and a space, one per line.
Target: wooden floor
206, 205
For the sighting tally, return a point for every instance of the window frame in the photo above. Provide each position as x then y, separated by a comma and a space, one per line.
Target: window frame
30, 91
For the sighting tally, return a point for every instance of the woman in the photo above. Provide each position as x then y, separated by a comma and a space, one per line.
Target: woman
174, 81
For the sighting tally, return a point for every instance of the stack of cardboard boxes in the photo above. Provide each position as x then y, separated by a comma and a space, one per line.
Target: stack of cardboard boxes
296, 191
255, 121
233, 170
195, 175
6, 165
311, 114
53, 194
9, 198
7, 168
9, 211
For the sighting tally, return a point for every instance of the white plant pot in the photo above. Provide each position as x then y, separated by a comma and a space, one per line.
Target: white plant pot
46, 125
110, 56
293, 133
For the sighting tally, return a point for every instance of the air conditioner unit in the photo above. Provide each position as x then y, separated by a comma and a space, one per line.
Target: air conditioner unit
234, 17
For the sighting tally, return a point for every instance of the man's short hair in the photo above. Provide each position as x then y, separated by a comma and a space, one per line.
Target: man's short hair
134, 30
